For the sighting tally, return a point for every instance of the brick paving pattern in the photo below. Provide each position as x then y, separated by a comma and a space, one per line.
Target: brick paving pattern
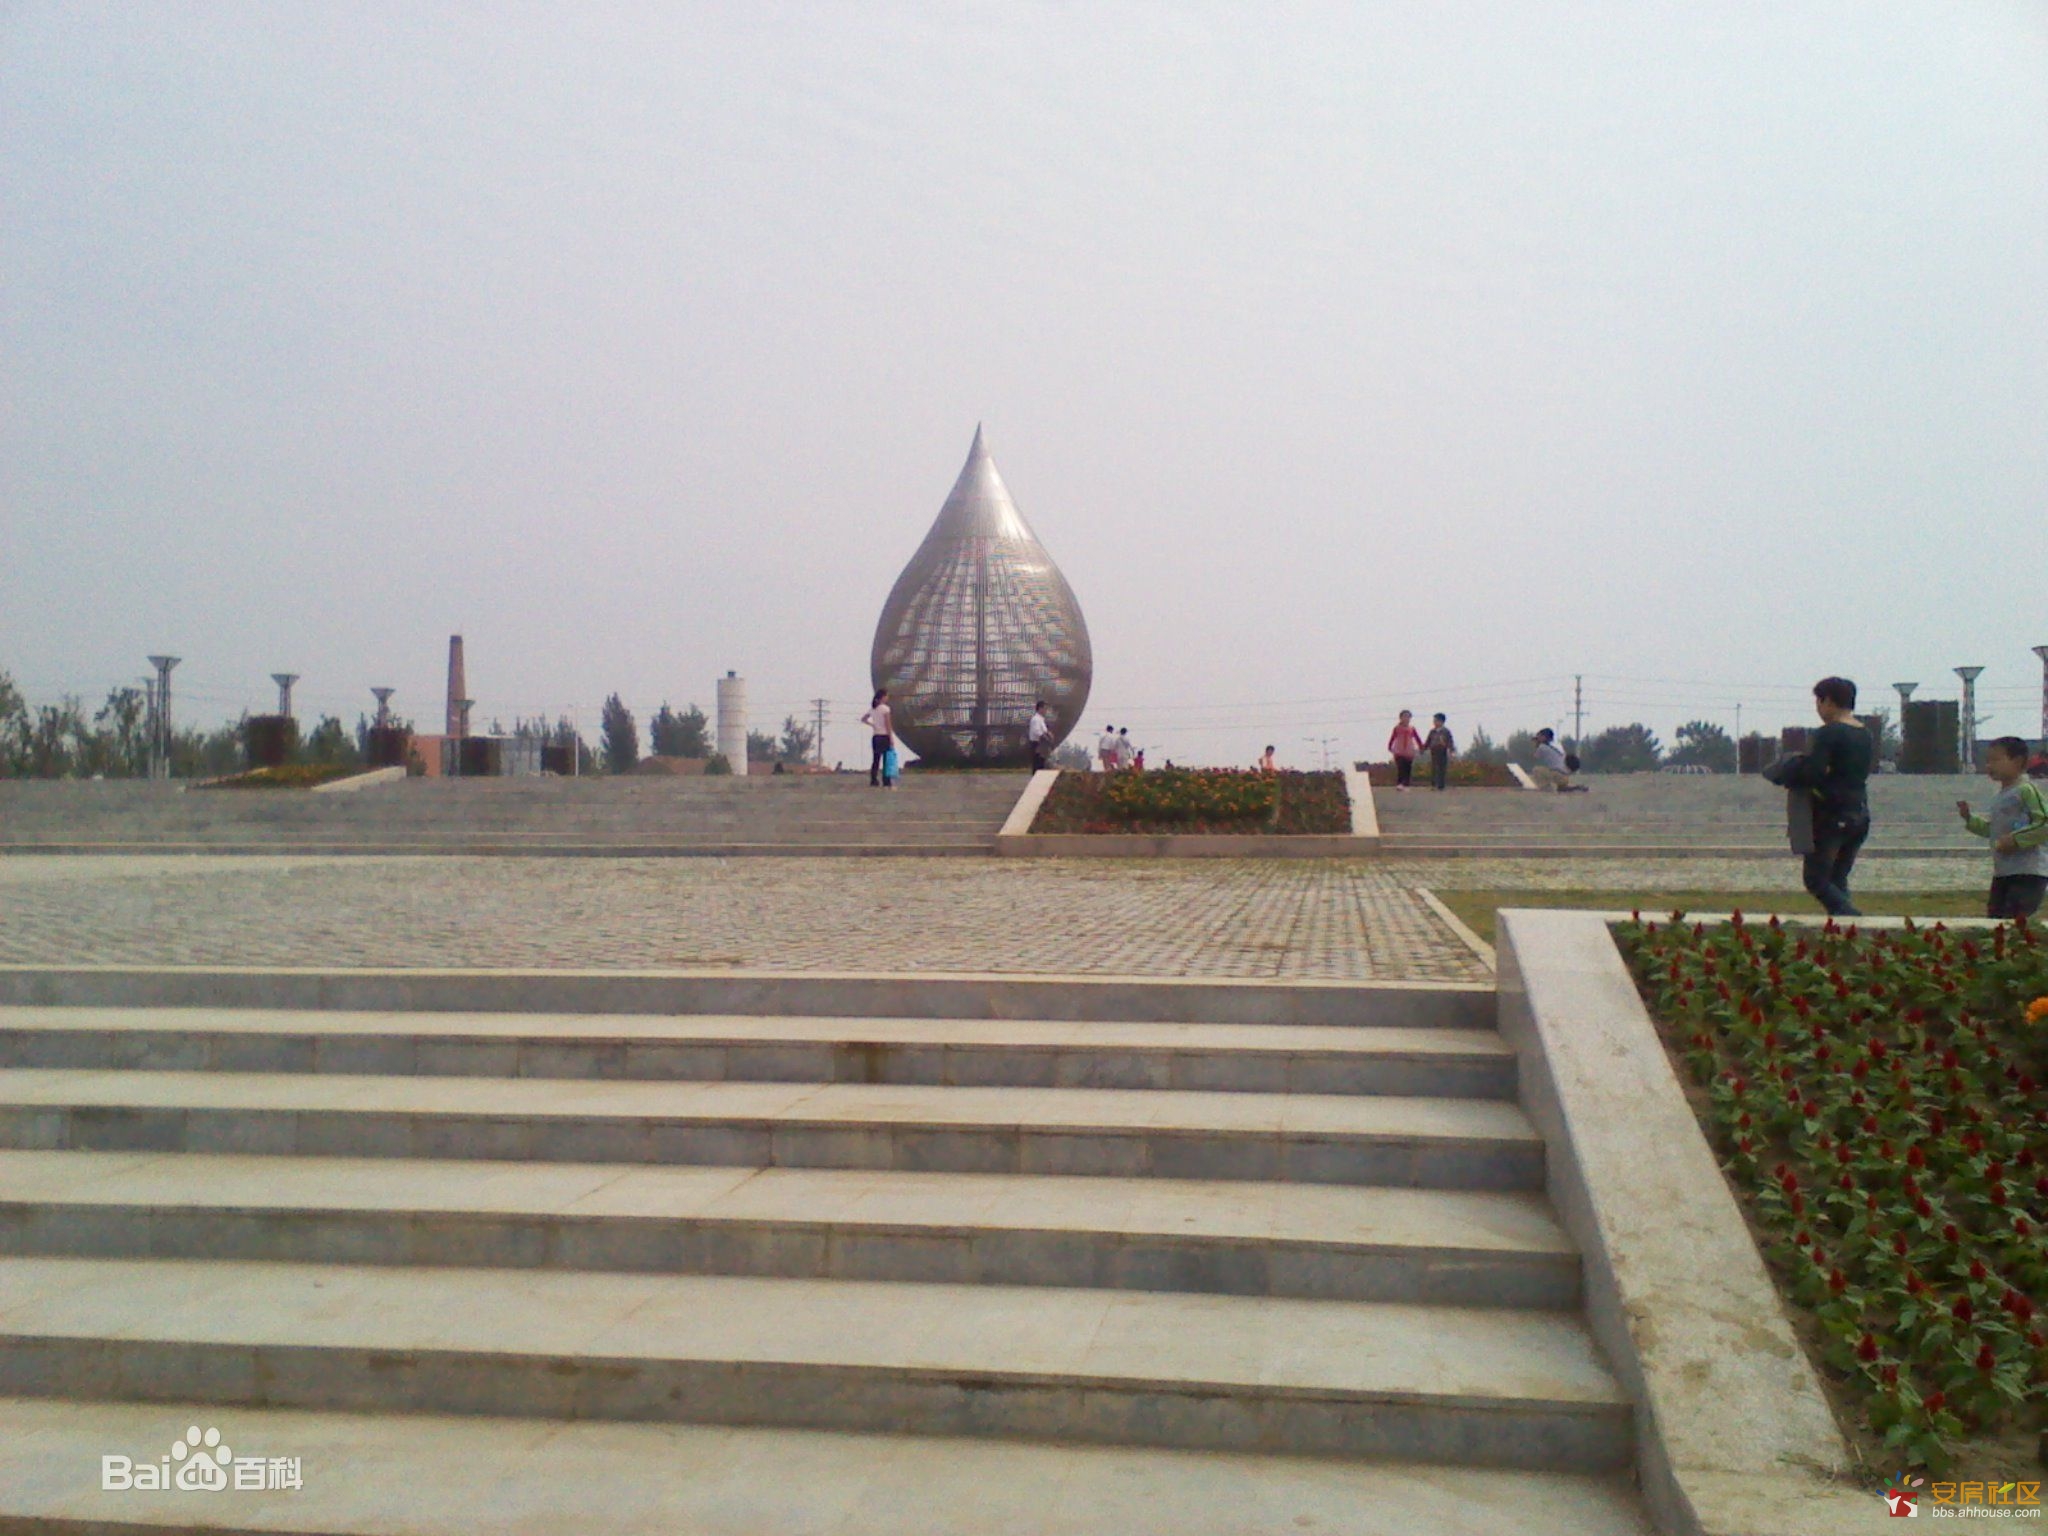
1362, 920
1209, 918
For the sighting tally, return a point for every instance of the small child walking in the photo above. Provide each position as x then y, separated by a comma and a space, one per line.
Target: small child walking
1441, 746
2016, 822
1406, 745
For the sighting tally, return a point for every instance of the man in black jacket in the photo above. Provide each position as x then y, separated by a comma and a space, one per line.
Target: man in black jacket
1836, 773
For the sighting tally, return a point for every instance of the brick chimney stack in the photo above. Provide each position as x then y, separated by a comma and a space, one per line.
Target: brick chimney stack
458, 687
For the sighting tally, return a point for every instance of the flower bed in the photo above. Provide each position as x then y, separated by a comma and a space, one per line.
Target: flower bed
285, 776
1876, 1097
1196, 800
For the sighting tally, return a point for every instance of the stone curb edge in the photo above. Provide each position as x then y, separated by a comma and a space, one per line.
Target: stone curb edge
1733, 1434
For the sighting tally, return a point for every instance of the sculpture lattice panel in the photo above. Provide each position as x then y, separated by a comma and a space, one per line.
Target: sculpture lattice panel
978, 628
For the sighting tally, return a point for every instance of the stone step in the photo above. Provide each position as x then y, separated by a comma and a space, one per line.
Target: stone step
1265, 1058
756, 993
1317, 1138
1484, 1387
1308, 1240
486, 847
426, 1475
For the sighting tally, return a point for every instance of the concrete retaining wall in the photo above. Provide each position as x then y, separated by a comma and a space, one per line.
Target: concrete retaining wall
1733, 1434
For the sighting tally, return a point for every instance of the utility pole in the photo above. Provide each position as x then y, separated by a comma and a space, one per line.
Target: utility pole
2042, 652
1738, 741
821, 710
1579, 713
1324, 743
1969, 720
284, 681
160, 717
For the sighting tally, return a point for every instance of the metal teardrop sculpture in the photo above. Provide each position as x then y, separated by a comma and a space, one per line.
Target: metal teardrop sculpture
978, 628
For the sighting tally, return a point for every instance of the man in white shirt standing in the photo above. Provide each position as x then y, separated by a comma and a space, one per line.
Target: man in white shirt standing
1039, 735
1105, 749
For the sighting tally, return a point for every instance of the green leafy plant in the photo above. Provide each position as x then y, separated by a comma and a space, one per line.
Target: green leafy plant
1877, 1099
1197, 800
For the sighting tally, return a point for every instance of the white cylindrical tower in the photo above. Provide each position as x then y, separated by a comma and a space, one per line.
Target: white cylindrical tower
732, 721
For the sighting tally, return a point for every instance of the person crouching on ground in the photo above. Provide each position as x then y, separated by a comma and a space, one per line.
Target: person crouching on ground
1553, 769
1836, 771
2016, 822
1406, 745
1441, 746
1039, 735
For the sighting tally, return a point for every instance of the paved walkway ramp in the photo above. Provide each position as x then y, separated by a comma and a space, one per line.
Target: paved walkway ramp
928, 813
1653, 813
487, 1272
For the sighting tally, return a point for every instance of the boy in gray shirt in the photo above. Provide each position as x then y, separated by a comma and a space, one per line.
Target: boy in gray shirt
2016, 821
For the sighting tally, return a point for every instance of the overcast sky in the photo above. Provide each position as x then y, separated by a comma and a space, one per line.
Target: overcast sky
1343, 356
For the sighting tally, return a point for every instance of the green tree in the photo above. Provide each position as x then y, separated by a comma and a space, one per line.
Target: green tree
1482, 749
797, 740
760, 747
1631, 748
330, 742
620, 737
1520, 747
1885, 732
120, 744
1703, 744
197, 754
1071, 756
56, 732
14, 729
685, 733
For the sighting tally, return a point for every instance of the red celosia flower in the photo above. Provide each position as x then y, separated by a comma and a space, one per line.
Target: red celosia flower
1977, 1271
1935, 1402
1837, 1281
1987, 1360
1915, 1158
1866, 1349
1963, 1311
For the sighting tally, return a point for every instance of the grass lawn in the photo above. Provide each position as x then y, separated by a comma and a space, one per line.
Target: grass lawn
1476, 908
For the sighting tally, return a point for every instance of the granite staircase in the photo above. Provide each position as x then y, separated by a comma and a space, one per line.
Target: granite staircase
749, 1271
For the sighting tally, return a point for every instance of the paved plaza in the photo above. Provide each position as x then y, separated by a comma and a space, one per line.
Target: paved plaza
1354, 920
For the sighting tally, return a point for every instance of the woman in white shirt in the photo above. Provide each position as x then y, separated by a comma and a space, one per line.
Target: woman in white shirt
883, 736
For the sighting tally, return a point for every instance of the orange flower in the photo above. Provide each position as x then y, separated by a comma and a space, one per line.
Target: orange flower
2037, 1010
